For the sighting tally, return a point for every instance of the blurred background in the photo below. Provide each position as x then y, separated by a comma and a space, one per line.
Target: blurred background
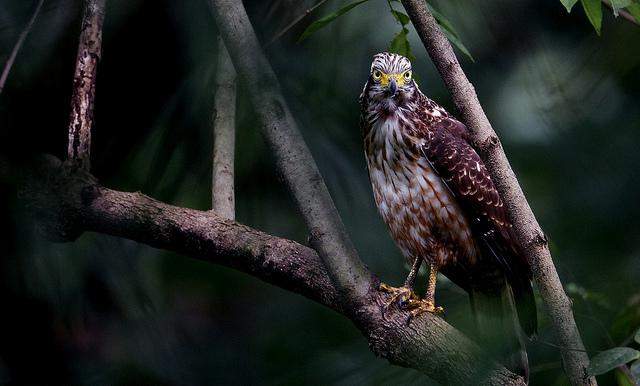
107, 311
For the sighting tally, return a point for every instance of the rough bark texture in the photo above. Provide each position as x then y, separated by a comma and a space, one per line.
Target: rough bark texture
224, 136
293, 158
66, 201
16, 48
530, 234
84, 83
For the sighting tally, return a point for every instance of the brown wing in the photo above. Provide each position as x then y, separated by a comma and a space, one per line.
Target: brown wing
465, 174
458, 164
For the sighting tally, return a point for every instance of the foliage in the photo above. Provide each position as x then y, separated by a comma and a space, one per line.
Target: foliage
400, 43
450, 32
568, 4
593, 10
608, 360
323, 22
616, 5
634, 10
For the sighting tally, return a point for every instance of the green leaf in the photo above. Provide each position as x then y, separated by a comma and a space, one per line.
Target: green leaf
568, 4
634, 10
610, 359
636, 337
616, 5
442, 21
456, 42
323, 22
593, 9
400, 45
450, 32
400, 17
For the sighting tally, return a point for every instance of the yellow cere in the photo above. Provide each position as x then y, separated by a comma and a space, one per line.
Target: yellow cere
386, 78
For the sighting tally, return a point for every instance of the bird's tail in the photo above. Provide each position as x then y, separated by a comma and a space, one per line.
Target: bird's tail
499, 328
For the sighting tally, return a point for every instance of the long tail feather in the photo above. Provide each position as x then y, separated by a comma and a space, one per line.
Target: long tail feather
499, 329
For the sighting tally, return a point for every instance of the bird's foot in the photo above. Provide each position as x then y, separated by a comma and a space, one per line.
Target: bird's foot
400, 295
421, 306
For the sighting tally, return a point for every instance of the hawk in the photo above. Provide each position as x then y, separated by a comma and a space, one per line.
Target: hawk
441, 206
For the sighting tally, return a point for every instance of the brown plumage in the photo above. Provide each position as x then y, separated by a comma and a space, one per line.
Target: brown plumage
441, 206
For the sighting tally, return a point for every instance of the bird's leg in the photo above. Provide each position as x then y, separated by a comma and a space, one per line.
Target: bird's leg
420, 306
428, 303
411, 278
405, 293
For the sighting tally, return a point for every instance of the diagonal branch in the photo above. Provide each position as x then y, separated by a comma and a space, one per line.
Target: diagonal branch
531, 237
295, 21
224, 133
67, 201
84, 83
293, 158
16, 48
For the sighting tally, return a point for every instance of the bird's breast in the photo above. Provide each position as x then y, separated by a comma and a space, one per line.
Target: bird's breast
421, 212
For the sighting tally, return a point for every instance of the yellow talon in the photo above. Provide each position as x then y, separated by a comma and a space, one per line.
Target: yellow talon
404, 294
408, 300
423, 306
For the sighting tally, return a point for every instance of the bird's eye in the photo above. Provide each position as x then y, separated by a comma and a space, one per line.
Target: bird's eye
407, 75
376, 75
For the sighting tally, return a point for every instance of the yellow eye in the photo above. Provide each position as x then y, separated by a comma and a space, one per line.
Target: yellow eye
407, 75
376, 75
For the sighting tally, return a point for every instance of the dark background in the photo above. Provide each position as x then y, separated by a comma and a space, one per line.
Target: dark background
105, 311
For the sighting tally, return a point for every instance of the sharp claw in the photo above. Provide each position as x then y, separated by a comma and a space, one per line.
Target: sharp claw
422, 306
403, 295
406, 299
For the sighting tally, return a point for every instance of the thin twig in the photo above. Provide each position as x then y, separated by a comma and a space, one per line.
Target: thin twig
16, 48
626, 15
84, 83
293, 23
222, 184
561, 348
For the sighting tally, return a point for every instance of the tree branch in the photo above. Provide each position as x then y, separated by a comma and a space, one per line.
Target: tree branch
294, 22
530, 235
293, 158
84, 83
16, 48
224, 135
66, 200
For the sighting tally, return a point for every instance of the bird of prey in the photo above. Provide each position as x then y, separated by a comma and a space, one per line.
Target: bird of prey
441, 206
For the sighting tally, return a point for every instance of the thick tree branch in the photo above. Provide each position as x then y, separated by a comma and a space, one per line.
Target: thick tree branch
84, 83
224, 136
531, 237
293, 158
16, 48
66, 201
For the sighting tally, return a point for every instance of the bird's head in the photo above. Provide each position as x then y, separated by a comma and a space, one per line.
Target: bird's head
390, 79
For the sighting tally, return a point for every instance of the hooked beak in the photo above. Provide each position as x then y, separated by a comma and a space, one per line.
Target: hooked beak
393, 87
